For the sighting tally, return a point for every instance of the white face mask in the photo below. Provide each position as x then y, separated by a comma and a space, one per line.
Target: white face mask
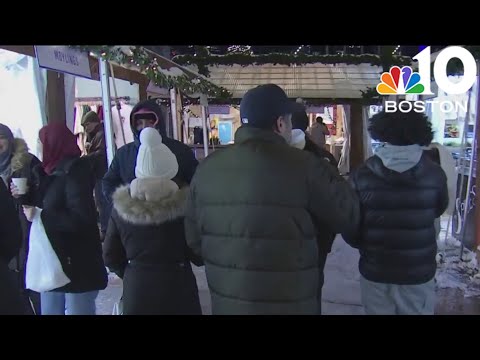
298, 139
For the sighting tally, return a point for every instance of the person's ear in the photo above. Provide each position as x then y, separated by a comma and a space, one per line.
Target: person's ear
280, 123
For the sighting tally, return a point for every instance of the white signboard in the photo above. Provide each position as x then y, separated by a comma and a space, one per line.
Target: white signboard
63, 59
194, 122
152, 88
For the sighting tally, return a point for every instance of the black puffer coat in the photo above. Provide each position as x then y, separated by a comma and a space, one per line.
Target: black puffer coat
145, 245
397, 238
11, 302
69, 218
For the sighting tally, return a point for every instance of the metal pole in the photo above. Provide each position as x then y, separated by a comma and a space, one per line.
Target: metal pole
461, 171
470, 172
173, 109
204, 125
107, 110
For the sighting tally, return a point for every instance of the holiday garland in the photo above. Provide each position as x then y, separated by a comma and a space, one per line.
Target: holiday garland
203, 59
148, 64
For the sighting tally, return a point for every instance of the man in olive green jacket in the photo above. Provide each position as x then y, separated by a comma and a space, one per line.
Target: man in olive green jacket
255, 209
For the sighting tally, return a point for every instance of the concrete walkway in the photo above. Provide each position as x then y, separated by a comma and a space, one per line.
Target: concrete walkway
341, 292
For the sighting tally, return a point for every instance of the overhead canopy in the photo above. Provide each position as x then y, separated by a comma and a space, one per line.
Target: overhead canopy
316, 81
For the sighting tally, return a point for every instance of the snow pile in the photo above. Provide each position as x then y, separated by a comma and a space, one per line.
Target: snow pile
454, 272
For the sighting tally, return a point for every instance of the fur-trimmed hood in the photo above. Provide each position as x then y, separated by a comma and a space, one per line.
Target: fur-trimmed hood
142, 212
21, 157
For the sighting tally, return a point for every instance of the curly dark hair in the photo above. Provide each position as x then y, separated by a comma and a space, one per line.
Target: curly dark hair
399, 128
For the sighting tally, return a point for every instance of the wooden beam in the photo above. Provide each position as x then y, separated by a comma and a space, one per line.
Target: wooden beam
142, 89
356, 136
55, 97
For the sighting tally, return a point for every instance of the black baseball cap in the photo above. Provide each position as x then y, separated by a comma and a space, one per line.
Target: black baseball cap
261, 106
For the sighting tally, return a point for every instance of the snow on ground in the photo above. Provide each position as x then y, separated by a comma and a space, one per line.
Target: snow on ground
455, 271
341, 291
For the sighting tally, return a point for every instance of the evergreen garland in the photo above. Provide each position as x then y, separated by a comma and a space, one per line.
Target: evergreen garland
147, 63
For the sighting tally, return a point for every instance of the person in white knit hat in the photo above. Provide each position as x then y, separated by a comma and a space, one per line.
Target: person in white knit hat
145, 242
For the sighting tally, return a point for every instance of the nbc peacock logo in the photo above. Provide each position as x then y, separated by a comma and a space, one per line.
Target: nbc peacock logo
400, 81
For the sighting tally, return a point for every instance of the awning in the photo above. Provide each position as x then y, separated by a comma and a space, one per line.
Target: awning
316, 81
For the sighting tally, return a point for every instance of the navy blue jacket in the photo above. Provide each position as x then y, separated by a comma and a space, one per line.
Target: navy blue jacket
397, 237
122, 168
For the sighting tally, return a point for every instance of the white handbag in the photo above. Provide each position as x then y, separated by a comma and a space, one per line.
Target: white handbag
44, 271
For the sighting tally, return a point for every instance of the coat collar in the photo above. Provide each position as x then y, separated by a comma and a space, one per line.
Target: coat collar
246, 133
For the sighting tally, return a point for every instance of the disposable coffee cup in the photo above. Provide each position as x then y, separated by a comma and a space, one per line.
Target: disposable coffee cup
21, 185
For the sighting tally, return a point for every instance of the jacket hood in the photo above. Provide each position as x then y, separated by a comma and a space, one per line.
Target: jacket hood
21, 157
154, 107
410, 176
66, 165
399, 158
143, 212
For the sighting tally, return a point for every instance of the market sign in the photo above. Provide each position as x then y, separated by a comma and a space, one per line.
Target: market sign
64, 59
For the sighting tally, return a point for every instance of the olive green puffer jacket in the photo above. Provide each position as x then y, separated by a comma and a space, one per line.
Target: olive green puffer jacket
253, 215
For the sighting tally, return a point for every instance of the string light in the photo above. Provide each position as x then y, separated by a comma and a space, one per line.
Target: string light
240, 49
396, 49
299, 48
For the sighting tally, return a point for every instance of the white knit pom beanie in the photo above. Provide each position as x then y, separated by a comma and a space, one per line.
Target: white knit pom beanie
154, 158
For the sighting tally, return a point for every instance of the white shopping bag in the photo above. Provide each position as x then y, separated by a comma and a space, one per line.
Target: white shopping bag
44, 270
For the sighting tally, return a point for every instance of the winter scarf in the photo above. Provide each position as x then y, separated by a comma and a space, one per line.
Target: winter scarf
58, 143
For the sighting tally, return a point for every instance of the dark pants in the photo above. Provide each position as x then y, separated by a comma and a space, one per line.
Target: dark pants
101, 206
30, 298
322, 259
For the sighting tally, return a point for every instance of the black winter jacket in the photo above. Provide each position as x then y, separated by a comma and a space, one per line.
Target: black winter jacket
145, 245
69, 218
22, 165
11, 302
397, 238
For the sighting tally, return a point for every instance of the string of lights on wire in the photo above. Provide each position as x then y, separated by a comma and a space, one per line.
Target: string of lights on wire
396, 49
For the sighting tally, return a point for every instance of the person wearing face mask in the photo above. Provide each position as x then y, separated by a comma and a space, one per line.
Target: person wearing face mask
255, 209
17, 162
302, 141
145, 243
146, 114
